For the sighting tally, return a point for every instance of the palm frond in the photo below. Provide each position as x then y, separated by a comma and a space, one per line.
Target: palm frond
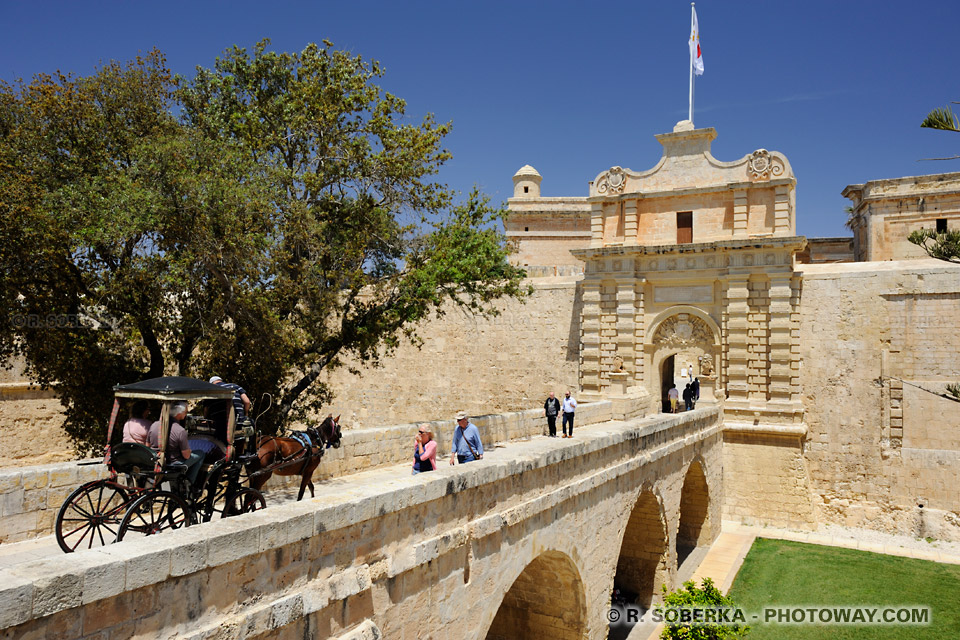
942, 119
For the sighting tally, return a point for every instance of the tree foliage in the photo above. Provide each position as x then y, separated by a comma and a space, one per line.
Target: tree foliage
690, 597
943, 119
266, 220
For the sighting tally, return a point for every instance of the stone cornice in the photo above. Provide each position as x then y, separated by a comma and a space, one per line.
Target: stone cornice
784, 243
693, 191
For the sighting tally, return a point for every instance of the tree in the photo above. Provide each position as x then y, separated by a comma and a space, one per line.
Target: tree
700, 606
284, 221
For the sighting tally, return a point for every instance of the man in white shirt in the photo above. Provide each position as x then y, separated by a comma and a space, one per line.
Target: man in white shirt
569, 407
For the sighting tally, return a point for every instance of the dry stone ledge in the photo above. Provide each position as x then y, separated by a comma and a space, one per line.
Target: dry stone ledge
51, 586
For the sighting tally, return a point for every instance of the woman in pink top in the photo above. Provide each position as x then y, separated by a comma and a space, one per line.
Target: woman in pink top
137, 427
425, 450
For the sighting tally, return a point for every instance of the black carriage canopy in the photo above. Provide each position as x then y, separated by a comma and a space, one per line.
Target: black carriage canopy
172, 388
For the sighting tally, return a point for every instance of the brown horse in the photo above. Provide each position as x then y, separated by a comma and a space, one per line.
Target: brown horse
290, 457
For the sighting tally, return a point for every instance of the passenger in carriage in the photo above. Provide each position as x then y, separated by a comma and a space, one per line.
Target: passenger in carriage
137, 428
178, 445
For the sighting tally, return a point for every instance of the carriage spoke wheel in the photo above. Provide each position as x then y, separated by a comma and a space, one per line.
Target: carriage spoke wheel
154, 512
246, 500
91, 515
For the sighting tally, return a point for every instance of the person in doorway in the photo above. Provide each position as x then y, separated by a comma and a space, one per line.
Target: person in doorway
674, 396
466, 441
687, 398
551, 409
425, 450
569, 408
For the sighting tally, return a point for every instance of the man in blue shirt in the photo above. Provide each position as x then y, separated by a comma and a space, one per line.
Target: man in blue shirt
466, 441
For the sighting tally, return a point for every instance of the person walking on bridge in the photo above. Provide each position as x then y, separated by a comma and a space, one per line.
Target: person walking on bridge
551, 409
569, 408
466, 441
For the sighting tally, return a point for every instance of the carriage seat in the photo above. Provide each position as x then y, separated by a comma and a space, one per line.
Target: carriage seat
136, 459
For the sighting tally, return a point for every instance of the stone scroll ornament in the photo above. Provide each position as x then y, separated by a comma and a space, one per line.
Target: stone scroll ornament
761, 165
613, 181
683, 330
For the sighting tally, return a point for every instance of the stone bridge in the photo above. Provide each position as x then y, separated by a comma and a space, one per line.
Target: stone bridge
526, 543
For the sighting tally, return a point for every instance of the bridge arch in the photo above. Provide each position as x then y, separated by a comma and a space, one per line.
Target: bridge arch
547, 600
693, 529
642, 563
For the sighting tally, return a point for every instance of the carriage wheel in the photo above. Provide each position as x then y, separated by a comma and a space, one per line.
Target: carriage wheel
91, 515
154, 512
246, 500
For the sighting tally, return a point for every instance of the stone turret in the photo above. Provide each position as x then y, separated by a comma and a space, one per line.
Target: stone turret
526, 182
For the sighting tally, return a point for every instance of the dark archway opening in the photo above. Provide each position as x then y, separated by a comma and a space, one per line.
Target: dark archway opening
547, 600
694, 506
641, 562
666, 381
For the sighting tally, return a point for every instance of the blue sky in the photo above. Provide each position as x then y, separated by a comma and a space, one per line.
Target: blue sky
573, 88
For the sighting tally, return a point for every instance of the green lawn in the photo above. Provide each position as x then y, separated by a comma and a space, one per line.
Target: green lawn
780, 573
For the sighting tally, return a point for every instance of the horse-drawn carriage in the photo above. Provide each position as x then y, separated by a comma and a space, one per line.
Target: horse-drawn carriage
146, 491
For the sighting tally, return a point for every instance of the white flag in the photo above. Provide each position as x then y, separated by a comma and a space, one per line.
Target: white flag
696, 57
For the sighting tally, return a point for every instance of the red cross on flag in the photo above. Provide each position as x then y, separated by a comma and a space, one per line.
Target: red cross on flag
696, 57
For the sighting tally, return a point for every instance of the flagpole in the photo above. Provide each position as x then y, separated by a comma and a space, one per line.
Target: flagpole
691, 65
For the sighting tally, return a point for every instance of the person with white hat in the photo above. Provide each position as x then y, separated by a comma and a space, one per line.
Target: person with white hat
466, 441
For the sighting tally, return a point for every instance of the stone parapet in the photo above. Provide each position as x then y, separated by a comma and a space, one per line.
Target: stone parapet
31, 496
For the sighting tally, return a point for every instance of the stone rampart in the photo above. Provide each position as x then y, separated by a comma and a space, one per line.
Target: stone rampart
31, 496
879, 343
541, 517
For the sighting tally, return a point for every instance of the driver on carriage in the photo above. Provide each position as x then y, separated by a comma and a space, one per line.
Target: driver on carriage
178, 444
218, 410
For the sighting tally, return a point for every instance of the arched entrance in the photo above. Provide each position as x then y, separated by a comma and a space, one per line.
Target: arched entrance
683, 338
547, 600
694, 510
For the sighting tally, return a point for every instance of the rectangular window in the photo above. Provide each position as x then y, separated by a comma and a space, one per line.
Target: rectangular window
684, 227
941, 225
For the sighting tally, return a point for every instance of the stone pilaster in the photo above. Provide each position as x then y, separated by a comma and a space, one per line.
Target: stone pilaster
596, 224
781, 324
781, 211
638, 331
608, 330
630, 223
758, 363
590, 337
738, 294
740, 212
626, 318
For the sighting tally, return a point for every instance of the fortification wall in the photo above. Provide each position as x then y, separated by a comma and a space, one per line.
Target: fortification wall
882, 452
479, 365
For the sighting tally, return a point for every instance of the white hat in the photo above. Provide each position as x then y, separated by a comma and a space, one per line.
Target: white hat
461, 415
216, 379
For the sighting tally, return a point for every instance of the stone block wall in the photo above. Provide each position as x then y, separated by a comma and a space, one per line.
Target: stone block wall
479, 365
880, 341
